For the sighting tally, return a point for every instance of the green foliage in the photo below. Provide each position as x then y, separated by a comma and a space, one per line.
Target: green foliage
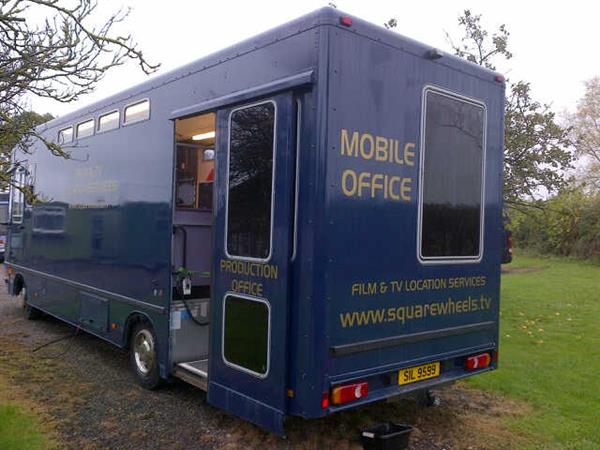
476, 45
549, 354
566, 224
537, 149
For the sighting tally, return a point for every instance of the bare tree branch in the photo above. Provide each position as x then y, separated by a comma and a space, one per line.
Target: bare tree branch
61, 57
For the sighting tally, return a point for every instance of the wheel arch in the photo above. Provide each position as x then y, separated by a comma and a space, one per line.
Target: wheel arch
133, 319
18, 284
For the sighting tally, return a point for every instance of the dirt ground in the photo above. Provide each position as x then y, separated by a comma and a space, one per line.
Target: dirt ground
83, 387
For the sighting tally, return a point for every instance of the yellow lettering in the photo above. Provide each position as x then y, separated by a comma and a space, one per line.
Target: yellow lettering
367, 154
409, 156
381, 148
405, 189
349, 148
363, 182
349, 174
375, 185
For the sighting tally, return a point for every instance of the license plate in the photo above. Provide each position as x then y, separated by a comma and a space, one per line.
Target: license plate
419, 373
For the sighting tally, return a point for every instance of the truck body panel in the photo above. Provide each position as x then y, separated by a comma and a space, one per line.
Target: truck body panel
372, 243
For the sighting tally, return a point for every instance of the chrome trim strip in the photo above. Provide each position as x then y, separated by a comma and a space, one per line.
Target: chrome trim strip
192, 369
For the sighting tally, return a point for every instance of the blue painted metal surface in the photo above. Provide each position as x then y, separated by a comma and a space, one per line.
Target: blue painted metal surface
352, 252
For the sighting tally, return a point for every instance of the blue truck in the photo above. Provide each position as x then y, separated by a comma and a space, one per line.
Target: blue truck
306, 222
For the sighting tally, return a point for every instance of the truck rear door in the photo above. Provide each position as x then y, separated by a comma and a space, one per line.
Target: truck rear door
252, 235
412, 260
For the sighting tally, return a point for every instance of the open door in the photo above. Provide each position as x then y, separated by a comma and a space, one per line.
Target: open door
252, 234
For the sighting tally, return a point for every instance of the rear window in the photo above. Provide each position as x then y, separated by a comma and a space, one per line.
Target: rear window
452, 164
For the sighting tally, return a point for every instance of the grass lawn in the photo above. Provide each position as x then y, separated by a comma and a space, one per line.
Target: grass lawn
20, 429
550, 350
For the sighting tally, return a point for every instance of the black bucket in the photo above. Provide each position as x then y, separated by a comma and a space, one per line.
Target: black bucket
386, 436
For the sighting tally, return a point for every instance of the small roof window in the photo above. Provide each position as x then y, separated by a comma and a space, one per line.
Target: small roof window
108, 121
65, 135
85, 129
137, 112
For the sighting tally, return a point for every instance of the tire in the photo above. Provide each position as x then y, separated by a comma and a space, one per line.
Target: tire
143, 356
29, 312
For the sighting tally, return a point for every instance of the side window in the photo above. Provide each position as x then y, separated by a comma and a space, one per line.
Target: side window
17, 197
4, 208
108, 121
48, 219
65, 135
85, 129
250, 181
137, 112
246, 330
452, 165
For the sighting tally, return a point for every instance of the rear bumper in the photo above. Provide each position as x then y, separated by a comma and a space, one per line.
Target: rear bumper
384, 383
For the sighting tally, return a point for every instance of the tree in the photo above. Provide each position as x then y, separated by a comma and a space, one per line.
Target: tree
11, 137
585, 123
475, 44
61, 57
537, 149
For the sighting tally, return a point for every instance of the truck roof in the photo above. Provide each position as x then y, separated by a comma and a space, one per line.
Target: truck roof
323, 16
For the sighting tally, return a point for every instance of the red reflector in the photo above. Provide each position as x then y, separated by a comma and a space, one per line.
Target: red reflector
325, 400
346, 21
478, 361
499, 78
349, 393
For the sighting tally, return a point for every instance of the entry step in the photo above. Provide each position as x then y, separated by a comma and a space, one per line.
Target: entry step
194, 373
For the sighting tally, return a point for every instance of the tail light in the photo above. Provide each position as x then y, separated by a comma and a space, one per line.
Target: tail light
325, 400
349, 393
477, 362
509, 242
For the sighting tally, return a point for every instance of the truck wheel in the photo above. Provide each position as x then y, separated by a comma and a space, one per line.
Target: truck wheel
143, 356
29, 311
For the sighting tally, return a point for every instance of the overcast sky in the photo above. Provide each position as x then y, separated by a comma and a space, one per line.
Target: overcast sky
555, 44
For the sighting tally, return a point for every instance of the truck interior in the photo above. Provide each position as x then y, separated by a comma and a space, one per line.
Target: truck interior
194, 161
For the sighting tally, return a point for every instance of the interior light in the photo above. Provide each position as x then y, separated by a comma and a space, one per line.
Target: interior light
203, 136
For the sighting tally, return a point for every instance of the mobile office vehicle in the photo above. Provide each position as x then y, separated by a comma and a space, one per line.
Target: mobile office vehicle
306, 222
